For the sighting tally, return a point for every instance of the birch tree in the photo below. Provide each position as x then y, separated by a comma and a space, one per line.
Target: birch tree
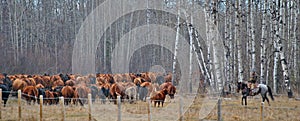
263, 44
252, 31
216, 47
295, 12
279, 39
227, 43
238, 41
176, 43
208, 37
275, 15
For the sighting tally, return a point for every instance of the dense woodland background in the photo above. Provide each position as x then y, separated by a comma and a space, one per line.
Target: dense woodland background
37, 37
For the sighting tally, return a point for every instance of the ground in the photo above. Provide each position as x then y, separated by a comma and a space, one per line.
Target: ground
282, 109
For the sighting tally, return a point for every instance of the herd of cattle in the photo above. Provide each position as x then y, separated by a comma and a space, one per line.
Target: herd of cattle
75, 88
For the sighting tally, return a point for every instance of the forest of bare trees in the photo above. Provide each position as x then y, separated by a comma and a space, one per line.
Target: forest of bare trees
37, 37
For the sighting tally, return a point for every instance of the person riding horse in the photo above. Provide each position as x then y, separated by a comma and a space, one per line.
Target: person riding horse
252, 81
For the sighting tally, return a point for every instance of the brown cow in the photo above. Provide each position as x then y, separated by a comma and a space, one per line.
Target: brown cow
30, 93
159, 97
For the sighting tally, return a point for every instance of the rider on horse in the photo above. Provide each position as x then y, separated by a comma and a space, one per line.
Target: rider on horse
252, 81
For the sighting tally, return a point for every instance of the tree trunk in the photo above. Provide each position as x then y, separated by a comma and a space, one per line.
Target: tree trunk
176, 45
208, 43
276, 54
227, 85
280, 47
237, 39
263, 44
295, 13
252, 30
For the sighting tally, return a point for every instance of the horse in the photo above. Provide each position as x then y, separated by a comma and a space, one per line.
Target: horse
131, 93
158, 97
245, 91
94, 92
80, 94
117, 89
263, 90
30, 93
170, 88
6, 86
68, 93
104, 92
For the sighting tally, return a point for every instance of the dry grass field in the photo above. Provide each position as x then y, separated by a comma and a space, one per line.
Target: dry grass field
282, 109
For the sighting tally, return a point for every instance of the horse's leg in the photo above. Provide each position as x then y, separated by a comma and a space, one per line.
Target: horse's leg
267, 100
242, 100
245, 100
158, 103
5, 100
162, 104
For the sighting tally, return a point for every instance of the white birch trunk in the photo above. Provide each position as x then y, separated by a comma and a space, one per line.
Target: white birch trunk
217, 51
208, 36
263, 44
281, 52
227, 51
176, 45
253, 53
276, 54
191, 56
237, 38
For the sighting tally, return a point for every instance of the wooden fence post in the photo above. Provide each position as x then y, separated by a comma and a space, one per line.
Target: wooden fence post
19, 105
149, 109
90, 106
119, 108
0, 104
180, 109
61, 101
219, 109
41, 107
262, 111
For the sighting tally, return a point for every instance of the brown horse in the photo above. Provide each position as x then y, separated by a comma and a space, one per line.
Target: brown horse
117, 89
159, 97
81, 94
30, 93
68, 93
169, 87
19, 84
49, 98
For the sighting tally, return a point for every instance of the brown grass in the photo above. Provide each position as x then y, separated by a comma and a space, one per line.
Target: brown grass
282, 109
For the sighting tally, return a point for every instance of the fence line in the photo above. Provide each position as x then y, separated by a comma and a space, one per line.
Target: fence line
147, 105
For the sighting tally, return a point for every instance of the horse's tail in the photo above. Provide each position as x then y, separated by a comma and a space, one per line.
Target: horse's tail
270, 92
